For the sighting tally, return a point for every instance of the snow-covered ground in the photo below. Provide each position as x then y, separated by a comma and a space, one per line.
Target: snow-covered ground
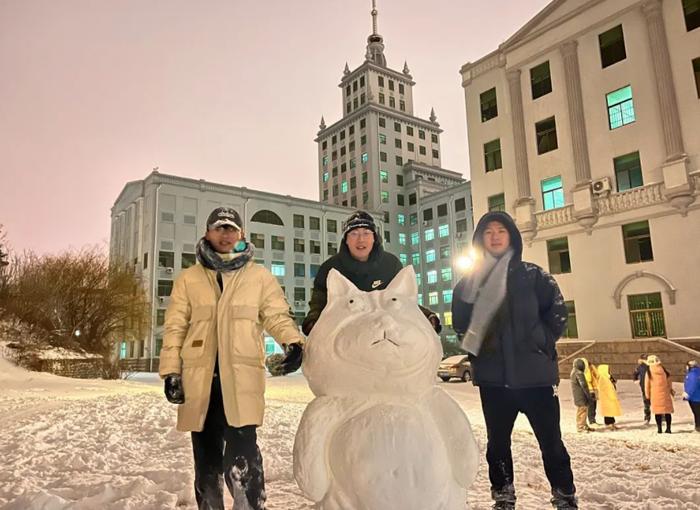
91, 444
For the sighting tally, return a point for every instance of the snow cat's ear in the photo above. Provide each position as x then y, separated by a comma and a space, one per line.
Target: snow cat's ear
338, 286
404, 283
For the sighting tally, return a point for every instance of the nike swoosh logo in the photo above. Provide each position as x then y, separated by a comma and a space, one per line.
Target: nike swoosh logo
376, 283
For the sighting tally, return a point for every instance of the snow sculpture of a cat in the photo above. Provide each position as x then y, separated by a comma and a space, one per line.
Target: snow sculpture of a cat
380, 435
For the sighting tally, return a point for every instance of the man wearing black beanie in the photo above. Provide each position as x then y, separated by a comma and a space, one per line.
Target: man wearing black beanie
362, 260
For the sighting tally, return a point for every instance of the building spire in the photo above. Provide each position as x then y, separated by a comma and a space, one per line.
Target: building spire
374, 17
375, 42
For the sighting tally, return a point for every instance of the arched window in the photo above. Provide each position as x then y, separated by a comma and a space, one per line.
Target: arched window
267, 216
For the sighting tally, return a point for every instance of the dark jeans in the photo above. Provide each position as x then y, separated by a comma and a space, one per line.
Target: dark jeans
223, 452
541, 406
647, 407
592, 405
695, 407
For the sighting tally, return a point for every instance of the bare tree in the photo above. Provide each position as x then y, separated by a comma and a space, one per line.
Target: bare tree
78, 299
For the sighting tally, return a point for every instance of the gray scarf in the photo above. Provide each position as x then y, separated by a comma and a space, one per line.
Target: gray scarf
485, 289
209, 258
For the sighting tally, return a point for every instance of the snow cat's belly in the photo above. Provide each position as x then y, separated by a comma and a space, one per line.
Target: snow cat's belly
390, 456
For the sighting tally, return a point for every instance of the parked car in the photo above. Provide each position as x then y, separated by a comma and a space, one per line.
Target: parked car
455, 366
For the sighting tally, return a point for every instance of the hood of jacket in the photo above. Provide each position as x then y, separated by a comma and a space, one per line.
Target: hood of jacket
516, 240
580, 364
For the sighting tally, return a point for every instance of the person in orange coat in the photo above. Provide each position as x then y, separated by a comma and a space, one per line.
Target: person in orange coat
608, 403
659, 389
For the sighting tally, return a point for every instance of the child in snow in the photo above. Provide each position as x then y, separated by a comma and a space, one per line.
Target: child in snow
609, 404
659, 390
581, 394
591, 380
691, 390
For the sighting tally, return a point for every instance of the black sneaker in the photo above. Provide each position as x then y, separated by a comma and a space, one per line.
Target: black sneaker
562, 501
504, 498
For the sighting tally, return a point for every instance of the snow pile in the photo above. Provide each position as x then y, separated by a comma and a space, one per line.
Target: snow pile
94, 444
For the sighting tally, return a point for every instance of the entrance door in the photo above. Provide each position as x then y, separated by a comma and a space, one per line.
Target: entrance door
646, 315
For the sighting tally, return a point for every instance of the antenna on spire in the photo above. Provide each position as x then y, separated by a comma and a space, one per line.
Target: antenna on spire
374, 17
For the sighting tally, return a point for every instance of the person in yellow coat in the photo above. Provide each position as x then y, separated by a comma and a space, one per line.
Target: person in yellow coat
213, 360
608, 403
592, 379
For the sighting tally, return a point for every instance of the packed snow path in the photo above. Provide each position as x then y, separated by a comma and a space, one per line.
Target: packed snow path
79, 445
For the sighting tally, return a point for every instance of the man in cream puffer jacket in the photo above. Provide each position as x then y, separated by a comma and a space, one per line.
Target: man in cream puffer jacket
213, 360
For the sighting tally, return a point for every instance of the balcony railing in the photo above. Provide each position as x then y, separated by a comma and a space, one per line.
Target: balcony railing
630, 199
555, 217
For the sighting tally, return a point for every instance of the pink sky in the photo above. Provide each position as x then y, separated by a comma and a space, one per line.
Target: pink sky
96, 93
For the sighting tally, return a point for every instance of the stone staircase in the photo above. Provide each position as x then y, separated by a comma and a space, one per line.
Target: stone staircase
622, 354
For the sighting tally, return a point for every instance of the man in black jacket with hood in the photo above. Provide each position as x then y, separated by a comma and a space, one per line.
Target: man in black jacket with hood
362, 260
510, 314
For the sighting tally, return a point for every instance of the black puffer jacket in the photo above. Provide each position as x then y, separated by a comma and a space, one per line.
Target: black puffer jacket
375, 274
519, 349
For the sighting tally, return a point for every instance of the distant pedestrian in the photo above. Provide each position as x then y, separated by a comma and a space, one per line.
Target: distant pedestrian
691, 390
581, 394
608, 403
640, 375
659, 390
591, 379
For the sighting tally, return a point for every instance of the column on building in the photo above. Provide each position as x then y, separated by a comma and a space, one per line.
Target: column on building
524, 205
677, 184
585, 210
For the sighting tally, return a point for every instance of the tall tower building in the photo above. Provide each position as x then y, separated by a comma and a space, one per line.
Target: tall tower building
372, 157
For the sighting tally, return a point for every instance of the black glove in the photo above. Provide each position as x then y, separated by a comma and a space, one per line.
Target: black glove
292, 358
435, 322
173, 389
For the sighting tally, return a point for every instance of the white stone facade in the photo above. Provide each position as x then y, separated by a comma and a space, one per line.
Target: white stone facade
622, 158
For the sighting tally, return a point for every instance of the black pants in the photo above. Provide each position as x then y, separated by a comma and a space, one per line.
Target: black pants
541, 406
647, 407
592, 405
695, 407
223, 452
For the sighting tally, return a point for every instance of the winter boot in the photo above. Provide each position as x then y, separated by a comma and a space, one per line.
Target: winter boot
504, 498
562, 501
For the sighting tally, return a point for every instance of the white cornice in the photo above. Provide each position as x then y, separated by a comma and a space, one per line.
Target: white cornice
405, 78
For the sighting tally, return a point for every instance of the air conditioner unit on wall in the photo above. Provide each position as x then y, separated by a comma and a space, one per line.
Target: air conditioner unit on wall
601, 186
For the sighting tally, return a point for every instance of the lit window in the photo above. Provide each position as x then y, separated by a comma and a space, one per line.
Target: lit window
446, 274
364, 158
401, 219
382, 139
429, 234
552, 193
443, 230
447, 296
620, 107
415, 238
325, 160
384, 176
277, 268
402, 256
325, 176
447, 317
344, 187
420, 298
431, 276
385, 197
432, 298
430, 255
415, 259
419, 279
402, 238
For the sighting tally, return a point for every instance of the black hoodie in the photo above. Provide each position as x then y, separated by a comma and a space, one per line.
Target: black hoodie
519, 350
